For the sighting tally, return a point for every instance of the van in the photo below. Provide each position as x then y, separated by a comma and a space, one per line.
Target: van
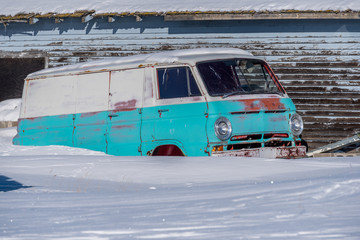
194, 102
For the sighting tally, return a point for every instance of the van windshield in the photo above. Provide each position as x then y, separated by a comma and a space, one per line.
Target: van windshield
238, 76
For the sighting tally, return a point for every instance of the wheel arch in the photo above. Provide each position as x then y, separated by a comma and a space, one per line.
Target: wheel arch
167, 150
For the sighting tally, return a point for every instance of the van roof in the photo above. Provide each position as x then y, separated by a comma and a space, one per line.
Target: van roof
189, 56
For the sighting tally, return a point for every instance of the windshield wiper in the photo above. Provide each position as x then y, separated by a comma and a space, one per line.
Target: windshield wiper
251, 92
234, 93
275, 92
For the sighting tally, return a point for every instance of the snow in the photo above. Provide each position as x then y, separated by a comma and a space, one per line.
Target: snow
10, 109
57, 192
110, 6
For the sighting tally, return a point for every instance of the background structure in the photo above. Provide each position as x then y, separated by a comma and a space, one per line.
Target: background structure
314, 53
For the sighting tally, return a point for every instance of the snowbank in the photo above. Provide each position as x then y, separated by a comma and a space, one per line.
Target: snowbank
10, 109
56, 192
69, 6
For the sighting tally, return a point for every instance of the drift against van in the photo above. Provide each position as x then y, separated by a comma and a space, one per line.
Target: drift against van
195, 102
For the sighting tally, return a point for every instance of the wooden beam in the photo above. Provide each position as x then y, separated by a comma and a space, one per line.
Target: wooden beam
335, 146
259, 16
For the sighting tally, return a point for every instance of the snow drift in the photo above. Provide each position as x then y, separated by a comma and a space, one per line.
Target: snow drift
10, 109
59, 192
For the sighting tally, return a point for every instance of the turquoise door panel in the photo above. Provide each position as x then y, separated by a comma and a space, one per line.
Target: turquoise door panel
47, 130
124, 132
90, 131
182, 124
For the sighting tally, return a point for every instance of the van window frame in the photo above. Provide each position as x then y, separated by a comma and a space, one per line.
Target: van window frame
195, 81
263, 64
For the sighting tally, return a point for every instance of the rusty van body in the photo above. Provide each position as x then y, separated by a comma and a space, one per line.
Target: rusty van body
200, 102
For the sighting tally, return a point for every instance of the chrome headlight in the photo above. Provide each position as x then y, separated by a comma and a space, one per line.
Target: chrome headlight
296, 124
223, 128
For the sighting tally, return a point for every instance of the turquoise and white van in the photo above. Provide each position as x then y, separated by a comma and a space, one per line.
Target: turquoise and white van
196, 102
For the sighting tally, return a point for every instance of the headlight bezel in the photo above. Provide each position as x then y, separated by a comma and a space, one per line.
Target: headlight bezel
296, 124
223, 128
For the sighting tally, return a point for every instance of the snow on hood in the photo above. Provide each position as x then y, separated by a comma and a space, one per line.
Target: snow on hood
110, 6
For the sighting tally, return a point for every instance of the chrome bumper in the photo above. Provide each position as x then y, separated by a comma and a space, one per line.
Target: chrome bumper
265, 152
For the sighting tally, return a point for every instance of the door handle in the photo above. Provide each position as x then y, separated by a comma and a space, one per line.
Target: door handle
163, 110
113, 115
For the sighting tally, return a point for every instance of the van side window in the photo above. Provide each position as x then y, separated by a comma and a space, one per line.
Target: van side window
177, 82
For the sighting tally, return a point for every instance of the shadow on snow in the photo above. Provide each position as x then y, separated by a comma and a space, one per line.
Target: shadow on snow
7, 184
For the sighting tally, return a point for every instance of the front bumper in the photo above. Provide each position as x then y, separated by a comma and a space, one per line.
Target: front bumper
265, 152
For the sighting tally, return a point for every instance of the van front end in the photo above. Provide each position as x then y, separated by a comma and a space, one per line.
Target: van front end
260, 127
250, 113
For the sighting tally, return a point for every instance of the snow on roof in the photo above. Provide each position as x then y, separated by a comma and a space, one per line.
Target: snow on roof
122, 6
177, 56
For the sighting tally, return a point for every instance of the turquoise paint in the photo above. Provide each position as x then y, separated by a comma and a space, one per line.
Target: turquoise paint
183, 124
90, 131
124, 132
136, 132
97, 131
269, 115
42, 131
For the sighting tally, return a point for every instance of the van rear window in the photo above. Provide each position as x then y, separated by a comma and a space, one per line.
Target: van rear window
176, 82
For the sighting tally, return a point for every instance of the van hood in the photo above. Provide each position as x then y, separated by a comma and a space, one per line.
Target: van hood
252, 115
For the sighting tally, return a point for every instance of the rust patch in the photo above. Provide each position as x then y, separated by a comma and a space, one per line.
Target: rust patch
122, 126
267, 104
278, 119
125, 105
31, 119
196, 98
88, 114
124, 110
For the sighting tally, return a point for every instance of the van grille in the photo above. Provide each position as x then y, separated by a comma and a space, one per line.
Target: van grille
265, 136
256, 112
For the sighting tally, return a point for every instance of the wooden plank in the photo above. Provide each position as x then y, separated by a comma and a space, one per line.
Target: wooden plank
336, 155
8, 124
259, 16
329, 113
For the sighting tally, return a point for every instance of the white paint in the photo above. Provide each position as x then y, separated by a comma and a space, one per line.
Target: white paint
149, 88
82, 88
110, 6
82, 93
92, 92
51, 96
126, 86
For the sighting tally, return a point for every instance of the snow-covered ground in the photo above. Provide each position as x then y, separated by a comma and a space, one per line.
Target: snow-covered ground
64, 193
57, 192
10, 109
110, 6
